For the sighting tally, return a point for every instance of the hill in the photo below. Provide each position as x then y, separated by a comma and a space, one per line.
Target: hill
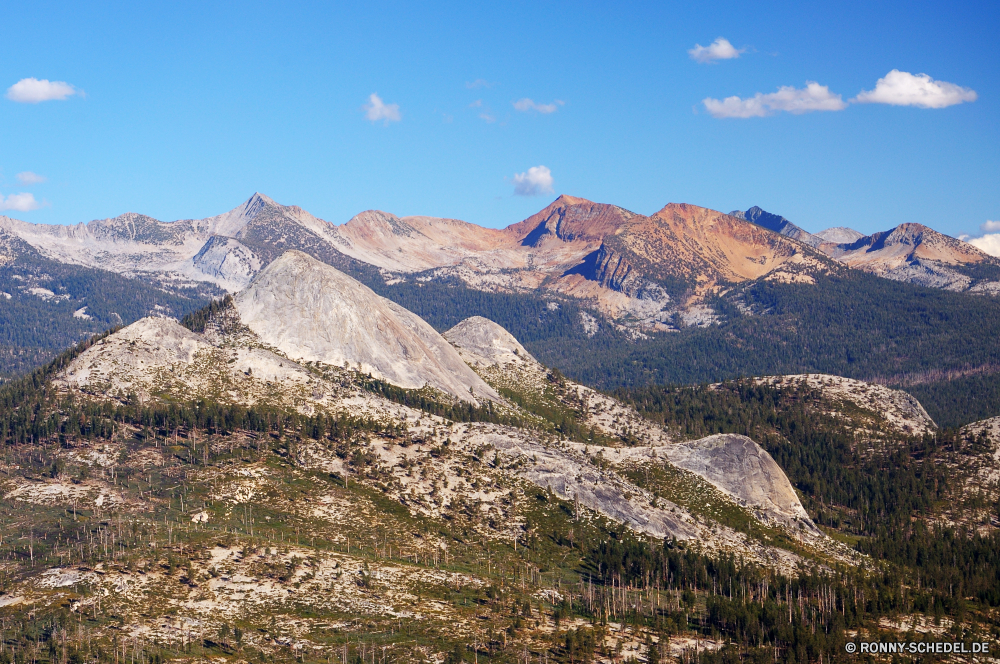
304, 511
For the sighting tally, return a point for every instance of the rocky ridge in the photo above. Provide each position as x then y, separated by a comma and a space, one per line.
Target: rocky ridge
916, 254
573, 248
778, 224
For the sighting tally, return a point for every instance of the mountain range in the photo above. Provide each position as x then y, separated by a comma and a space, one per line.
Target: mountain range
617, 261
613, 297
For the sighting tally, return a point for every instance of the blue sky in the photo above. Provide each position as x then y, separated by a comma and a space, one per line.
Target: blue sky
183, 110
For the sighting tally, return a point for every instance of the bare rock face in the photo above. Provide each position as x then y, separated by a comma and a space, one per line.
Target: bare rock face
743, 469
227, 262
572, 478
143, 346
313, 312
156, 356
989, 462
481, 342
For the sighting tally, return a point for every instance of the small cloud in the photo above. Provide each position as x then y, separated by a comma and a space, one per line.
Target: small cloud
535, 181
989, 243
478, 83
900, 88
813, 97
33, 91
476, 104
27, 177
526, 104
487, 117
376, 110
19, 202
720, 49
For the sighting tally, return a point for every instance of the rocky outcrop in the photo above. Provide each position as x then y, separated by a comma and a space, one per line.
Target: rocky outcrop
227, 262
886, 407
612, 270
481, 342
743, 469
156, 356
313, 312
570, 477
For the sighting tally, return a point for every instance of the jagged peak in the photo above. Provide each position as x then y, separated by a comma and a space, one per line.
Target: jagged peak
257, 196
253, 205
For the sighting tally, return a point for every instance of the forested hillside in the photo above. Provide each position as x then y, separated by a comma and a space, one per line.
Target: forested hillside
884, 492
852, 324
47, 306
207, 530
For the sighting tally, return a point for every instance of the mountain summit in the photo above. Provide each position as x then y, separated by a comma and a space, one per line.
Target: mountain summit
778, 224
918, 254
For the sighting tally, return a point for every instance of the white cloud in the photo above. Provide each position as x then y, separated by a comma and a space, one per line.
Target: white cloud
813, 97
535, 181
19, 202
479, 83
476, 104
32, 91
901, 88
27, 177
529, 105
376, 110
720, 49
989, 243
487, 117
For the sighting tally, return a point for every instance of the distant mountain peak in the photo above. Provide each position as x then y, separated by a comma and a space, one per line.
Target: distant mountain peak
776, 223
839, 235
570, 218
566, 199
256, 202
